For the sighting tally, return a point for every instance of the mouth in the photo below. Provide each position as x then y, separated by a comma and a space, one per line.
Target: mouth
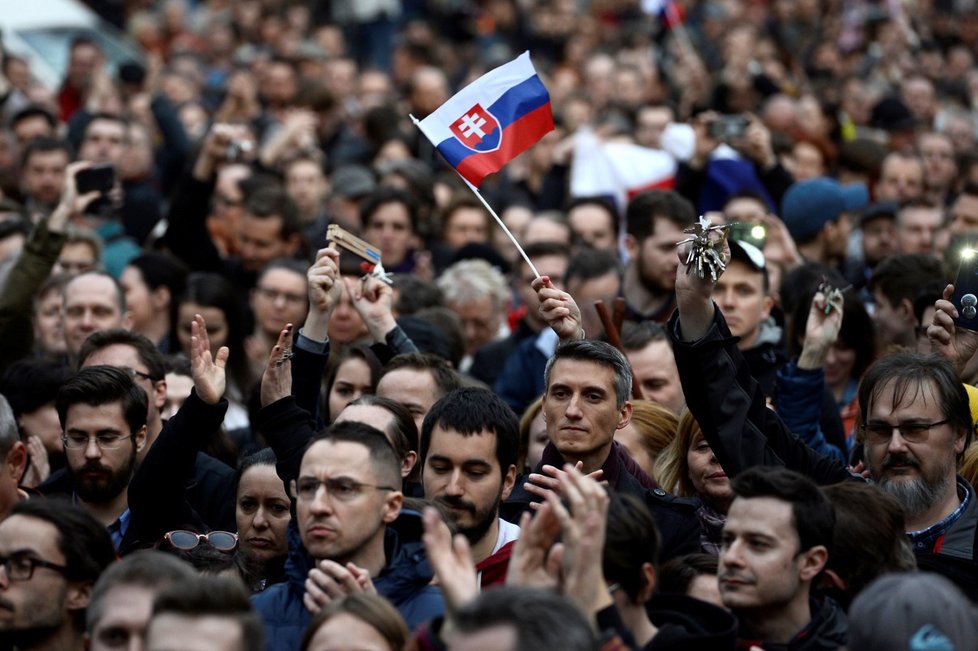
259, 543
717, 475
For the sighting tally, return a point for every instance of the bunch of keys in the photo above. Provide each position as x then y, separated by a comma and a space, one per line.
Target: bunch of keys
833, 295
705, 253
371, 254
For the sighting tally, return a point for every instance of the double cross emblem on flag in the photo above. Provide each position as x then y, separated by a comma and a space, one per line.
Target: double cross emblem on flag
492, 120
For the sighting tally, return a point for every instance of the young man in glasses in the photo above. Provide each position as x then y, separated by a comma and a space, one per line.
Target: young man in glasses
349, 529
916, 423
51, 553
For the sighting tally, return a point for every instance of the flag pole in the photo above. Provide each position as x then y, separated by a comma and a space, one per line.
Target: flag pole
485, 203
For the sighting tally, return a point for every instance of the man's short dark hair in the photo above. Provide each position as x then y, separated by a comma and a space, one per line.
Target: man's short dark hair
383, 196
542, 248
102, 385
162, 270
107, 117
597, 352
470, 411
34, 111
631, 541
82, 540
146, 350
403, 430
146, 568
588, 263
645, 208
273, 201
636, 336
812, 513
446, 379
31, 383
211, 596
383, 457
541, 619
677, 574
909, 373
900, 277
45, 145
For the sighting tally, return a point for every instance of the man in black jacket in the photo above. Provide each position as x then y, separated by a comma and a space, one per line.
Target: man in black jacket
775, 543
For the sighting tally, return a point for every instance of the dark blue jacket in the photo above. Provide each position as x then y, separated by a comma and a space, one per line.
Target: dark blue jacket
406, 582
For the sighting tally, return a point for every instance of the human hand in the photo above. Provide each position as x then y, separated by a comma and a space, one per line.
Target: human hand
779, 246
705, 143
535, 561
325, 292
39, 466
558, 309
756, 143
373, 299
451, 559
329, 581
276, 381
821, 329
694, 295
72, 204
583, 525
956, 345
210, 377
550, 480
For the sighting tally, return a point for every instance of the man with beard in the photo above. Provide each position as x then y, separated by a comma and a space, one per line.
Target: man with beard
469, 446
654, 222
103, 417
51, 553
916, 422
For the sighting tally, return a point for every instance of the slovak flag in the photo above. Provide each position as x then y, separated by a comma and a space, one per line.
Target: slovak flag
492, 120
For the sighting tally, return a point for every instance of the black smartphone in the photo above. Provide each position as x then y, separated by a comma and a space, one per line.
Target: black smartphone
728, 127
98, 178
965, 297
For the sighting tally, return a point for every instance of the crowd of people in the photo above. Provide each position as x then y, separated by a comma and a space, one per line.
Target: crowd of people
722, 396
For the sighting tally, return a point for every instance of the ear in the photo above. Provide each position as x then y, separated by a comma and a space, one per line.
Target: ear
17, 461
160, 298
648, 582
126, 320
79, 594
905, 309
392, 506
140, 438
407, 465
159, 394
768, 304
624, 415
509, 480
631, 246
811, 562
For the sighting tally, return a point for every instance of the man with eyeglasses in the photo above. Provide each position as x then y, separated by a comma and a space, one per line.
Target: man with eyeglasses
350, 529
51, 554
103, 419
209, 486
916, 424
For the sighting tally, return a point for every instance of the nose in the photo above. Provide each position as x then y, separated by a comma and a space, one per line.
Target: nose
4, 577
321, 503
573, 408
92, 450
730, 556
454, 487
897, 442
260, 521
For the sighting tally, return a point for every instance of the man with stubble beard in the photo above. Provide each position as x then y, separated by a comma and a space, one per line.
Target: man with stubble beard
654, 222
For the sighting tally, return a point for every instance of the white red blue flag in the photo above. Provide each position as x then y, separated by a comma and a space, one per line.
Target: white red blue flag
492, 120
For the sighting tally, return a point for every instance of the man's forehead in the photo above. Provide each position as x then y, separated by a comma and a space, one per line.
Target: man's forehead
334, 458
761, 515
910, 396
581, 371
22, 532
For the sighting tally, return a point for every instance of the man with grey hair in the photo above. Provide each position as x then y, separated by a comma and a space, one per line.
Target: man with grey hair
477, 292
122, 599
13, 459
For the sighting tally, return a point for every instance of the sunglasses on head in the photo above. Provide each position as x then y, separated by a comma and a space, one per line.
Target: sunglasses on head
182, 539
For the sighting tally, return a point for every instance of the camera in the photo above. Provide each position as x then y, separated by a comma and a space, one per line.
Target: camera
238, 148
728, 127
965, 297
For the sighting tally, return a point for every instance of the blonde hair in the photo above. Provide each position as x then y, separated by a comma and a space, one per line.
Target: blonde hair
526, 422
671, 468
969, 463
656, 425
